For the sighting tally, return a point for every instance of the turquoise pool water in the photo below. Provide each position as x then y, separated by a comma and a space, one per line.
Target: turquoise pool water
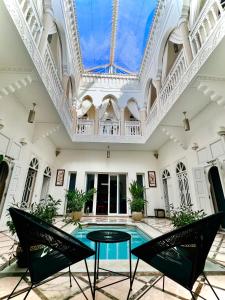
115, 250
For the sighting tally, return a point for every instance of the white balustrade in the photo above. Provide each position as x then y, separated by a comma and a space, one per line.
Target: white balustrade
132, 128
32, 18
67, 115
178, 69
205, 23
52, 71
152, 117
85, 127
109, 128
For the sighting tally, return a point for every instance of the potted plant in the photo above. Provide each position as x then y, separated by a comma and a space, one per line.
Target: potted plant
76, 200
1, 158
137, 202
46, 210
185, 215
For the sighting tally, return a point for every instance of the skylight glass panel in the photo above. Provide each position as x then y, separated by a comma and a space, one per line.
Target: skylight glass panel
134, 25
94, 18
113, 39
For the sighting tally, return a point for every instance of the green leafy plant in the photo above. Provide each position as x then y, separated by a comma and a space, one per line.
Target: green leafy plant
137, 202
76, 199
185, 215
1, 158
46, 210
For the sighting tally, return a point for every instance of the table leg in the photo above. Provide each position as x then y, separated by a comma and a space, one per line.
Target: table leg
95, 269
98, 259
130, 263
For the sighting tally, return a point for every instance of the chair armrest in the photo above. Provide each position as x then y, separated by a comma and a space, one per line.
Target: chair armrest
172, 239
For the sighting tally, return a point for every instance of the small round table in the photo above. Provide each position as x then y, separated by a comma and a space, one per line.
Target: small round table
108, 236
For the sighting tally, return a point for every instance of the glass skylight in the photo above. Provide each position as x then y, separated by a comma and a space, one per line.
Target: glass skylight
113, 37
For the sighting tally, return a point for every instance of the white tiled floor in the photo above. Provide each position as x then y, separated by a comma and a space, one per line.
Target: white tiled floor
59, 288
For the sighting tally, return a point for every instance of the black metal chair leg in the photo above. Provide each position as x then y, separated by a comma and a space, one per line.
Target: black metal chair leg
130, 264
70, 277
95, 269
135, 269
192, 295
89, 279
17, 284
79, 286
163, 282
98, 259
28, 292
210, 285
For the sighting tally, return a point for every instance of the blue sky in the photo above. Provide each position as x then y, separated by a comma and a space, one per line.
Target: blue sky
94, 19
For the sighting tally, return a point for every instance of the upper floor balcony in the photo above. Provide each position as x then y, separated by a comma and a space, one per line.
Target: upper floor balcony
108, 128
203, 38
205, 35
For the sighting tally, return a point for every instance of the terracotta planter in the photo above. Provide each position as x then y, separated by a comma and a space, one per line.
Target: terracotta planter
76, 215
137, 216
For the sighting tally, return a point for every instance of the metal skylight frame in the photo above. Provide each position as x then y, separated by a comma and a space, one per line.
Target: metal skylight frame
113, 44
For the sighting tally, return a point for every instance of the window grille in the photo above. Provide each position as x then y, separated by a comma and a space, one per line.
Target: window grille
183, 184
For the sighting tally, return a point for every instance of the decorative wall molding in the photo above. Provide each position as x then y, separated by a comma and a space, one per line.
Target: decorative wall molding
44, 130
45, 71
73, 34
154, 33
175, 134
210, 44
14, 86
110, 76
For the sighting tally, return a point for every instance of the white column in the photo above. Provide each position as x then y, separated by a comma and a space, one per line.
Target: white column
186, 43
96, 125
122, 122
47, 23
157, 85
143, 115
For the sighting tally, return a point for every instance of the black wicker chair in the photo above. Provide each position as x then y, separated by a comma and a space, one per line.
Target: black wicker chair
181, 254
63, 250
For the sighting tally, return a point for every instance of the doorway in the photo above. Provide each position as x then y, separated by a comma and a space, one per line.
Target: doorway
216, 191
102, 194
111, 194
4, 172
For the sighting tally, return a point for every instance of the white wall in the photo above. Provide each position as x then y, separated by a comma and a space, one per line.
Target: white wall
16, 127
204, 129
130, 162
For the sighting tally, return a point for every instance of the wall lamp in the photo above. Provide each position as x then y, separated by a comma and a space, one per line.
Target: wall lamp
1, 124
108, 152
186, 122
195, 146
23, 142
221, 131
31, 116
156, 155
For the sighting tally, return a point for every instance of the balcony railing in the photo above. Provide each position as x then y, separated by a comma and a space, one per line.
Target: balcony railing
132, 128
85, 127
152, 117
32, 18
204, 35
178, 69
205, 24
52, 71
109, 128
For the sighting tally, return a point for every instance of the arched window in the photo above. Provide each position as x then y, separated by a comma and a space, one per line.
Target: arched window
171, 51
30, 183
46, 181
165, 177
183, 184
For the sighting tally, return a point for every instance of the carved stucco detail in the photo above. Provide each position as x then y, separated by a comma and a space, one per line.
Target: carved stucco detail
17, 17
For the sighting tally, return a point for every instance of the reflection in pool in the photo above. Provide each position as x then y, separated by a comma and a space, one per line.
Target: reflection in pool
115, 250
